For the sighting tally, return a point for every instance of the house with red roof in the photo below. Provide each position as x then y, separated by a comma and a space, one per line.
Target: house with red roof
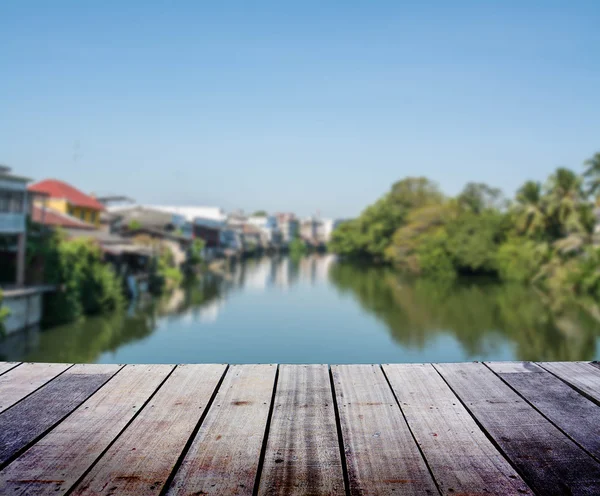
66, 199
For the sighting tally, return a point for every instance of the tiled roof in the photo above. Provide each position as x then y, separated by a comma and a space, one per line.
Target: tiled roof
59, 189
51, 217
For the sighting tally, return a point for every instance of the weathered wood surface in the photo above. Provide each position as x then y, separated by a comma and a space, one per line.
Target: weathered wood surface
6, 366
574, 414
582, 376
59, 459
461, 457
472, 428
23, 380
41, 410
550, 462
142, 458
381, 454
303, 453
223, 457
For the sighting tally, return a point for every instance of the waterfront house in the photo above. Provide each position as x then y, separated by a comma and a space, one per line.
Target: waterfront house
288, 225
326, 228
206, 222
267, 225
14, 206
309, 228
66, 199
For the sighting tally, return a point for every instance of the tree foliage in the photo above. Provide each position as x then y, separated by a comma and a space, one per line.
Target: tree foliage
544, 236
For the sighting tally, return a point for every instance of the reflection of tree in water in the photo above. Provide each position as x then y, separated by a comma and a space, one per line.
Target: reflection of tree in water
479, 316
86, 340
82, 341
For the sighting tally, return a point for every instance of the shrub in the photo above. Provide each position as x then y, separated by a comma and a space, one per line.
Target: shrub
520, 259
4, 313
86, 284
433, 258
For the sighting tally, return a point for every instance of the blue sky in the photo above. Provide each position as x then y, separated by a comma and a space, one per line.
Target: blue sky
299, 106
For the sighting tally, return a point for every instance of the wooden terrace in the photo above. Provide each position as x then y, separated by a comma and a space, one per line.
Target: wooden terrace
452, 429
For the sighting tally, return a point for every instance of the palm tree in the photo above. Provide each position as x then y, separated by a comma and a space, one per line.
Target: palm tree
563, 198
592, 174
529, 209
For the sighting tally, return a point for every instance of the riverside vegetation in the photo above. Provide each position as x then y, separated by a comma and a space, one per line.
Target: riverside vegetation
544, 236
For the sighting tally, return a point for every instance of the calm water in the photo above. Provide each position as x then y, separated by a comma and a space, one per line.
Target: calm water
318, 311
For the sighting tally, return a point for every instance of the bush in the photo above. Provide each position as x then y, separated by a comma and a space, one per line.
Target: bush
195, 252
4, 313
520, 259
434, 259
297, 248
86, 284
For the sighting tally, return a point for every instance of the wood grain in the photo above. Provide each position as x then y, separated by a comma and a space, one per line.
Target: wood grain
574, 414
223, 457
21, 381
550, 462
581, 375
30, 418
59, 459
461, 457
6, 366
381, 454
142, 459
303, 452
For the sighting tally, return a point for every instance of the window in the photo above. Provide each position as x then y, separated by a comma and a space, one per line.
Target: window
93, 217
12, 202
82, 214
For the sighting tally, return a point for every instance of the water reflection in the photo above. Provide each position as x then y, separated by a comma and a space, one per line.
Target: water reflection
481, 316
313, 309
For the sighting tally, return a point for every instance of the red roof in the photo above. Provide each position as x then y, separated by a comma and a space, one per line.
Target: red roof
51, 217
58, 189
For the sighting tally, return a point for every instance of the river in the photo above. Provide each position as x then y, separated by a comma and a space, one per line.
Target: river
316, 310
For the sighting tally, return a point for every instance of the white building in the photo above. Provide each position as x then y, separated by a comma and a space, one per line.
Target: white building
268, 227
326, 227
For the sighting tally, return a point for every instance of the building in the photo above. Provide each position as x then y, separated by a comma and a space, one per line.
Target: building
310, 228
147, 217
53, 218
288, 225
267, 225
66, 199
14, 208
326, 228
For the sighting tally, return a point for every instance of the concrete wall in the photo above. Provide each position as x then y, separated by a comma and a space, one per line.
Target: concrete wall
25, 307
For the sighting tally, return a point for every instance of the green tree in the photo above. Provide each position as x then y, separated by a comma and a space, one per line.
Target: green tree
530, 212
260, 213
592, 174
478, 197
564, 196
473, 240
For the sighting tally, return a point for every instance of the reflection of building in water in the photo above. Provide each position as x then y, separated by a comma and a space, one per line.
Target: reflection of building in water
282, 272
210, 312
259, 275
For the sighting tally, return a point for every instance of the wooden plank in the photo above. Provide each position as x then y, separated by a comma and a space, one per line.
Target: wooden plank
223, 457
550, 462
381, 454
6, 366
142, 458
30, 418
303, 450
581, 375
574, 414
59, 459
461, 458
25, 379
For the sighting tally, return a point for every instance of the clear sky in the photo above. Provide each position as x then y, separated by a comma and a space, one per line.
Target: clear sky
296, 106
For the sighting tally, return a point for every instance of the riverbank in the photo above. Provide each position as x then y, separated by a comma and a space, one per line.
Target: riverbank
314, 309
544, 236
